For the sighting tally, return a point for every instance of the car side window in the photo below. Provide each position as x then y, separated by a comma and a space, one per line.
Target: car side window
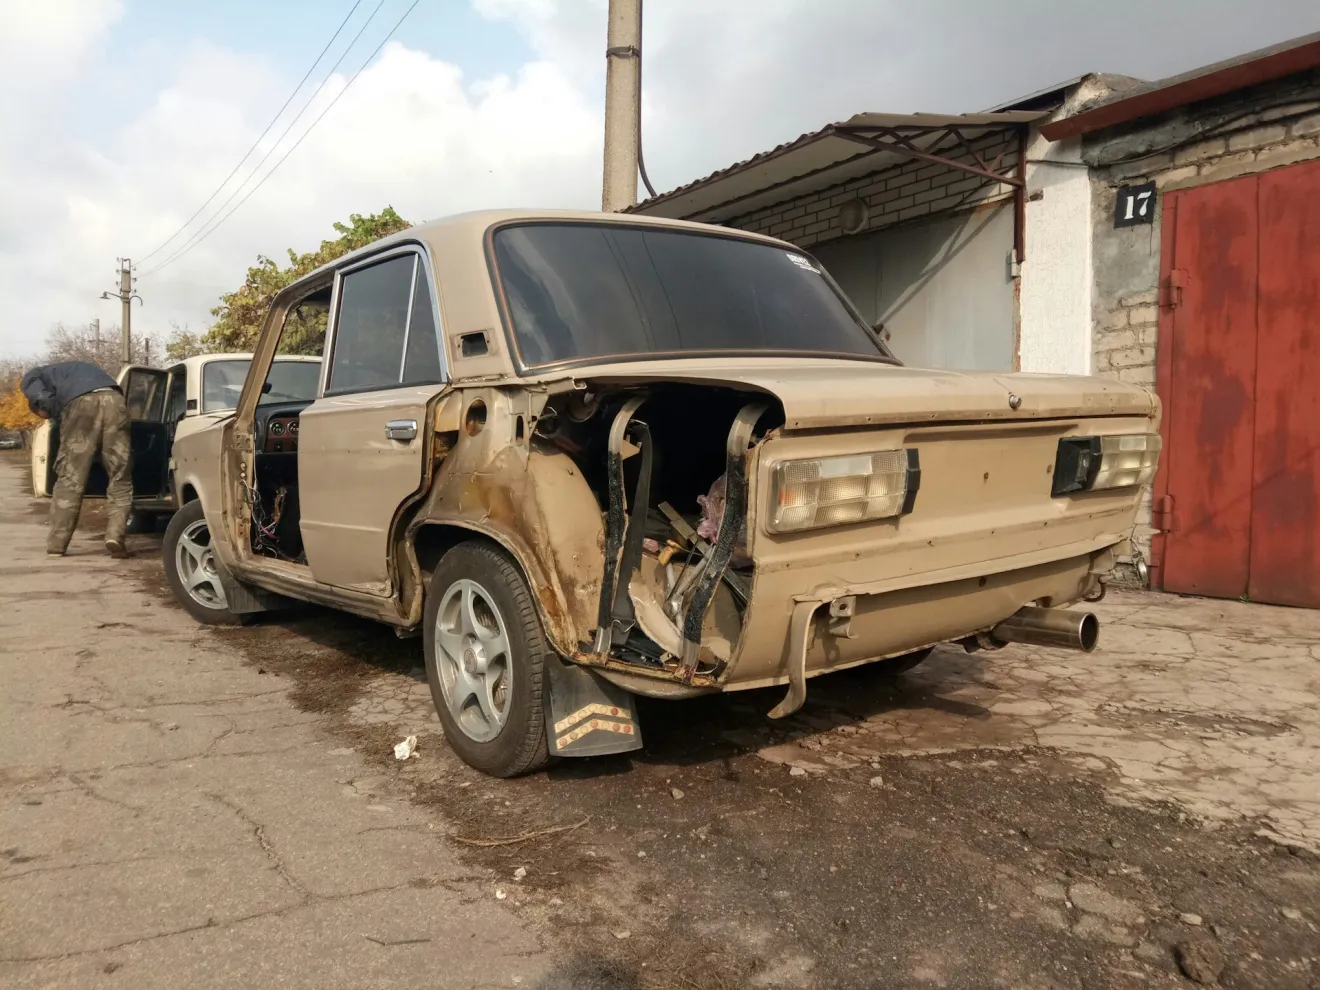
372, 326
421, 365
144, 393
176, 402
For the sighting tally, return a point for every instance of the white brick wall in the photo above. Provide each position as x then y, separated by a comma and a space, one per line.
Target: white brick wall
893, 195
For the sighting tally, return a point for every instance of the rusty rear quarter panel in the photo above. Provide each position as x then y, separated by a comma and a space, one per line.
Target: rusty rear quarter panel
532, 500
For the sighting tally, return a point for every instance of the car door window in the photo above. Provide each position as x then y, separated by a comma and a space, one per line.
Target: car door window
421, 365
144, 393
176, 401
372, 326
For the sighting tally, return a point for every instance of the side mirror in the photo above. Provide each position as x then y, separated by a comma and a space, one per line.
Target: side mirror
265, 389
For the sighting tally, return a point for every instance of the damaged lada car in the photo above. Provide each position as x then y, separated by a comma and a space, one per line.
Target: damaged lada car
591, 456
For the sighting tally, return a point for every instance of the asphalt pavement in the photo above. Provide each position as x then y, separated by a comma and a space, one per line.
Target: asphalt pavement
182, 806
169, 818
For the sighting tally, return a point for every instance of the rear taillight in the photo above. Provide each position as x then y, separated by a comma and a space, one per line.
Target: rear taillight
1086, 464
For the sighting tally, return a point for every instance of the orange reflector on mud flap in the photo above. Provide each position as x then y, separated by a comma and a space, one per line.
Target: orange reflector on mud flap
589, 716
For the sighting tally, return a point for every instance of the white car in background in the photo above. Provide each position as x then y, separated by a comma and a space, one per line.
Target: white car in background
167, 404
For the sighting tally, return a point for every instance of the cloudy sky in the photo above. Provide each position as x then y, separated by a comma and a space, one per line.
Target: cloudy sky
118, 118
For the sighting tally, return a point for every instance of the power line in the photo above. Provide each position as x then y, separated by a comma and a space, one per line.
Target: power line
302, 137
257, 142
212, 224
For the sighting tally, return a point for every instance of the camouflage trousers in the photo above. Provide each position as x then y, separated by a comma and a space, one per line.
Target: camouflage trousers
97, 421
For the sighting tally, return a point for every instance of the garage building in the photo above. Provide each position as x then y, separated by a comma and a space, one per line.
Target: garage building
1165, 233
1213, 297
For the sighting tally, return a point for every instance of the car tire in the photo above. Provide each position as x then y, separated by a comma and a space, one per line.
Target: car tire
486, 656
901, 665
192, 569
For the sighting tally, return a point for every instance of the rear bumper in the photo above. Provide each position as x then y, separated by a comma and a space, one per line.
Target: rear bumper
888, 623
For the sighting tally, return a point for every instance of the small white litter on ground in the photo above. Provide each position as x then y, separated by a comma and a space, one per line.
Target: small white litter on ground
406, 748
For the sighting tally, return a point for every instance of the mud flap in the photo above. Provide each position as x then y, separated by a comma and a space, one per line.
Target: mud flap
588, 715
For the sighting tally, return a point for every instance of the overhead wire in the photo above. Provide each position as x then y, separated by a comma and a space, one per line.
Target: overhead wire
257, 142
214, 224
202, 232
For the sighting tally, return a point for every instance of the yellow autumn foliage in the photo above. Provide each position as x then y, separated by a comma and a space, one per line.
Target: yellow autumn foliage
14, 412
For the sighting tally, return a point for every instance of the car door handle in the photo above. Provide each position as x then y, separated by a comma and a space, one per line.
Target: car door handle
401, 429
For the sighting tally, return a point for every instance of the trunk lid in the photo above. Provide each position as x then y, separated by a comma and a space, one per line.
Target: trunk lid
825, 393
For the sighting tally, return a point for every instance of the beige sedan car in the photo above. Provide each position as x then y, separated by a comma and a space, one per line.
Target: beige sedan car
592, 456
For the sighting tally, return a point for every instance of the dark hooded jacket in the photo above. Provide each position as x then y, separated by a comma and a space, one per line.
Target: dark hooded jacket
53, 386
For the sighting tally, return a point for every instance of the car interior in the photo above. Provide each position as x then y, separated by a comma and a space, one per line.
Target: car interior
274, 496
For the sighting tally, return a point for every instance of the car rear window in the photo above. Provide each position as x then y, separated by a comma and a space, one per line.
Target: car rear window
583, 291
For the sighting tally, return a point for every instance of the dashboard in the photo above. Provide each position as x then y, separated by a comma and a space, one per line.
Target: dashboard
282, 435
277, 427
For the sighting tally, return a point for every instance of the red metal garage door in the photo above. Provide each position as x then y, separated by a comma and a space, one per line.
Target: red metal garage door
1239, 370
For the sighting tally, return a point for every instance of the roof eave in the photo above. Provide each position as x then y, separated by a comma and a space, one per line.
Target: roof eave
1191, 88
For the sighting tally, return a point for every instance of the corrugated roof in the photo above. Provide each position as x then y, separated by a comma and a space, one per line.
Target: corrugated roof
816, 161
1216, 79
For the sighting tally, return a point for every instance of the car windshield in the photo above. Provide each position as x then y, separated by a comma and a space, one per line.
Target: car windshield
585, 291
289, 381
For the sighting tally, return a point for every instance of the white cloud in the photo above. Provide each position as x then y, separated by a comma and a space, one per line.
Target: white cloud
411, 132
48, 37
723, 80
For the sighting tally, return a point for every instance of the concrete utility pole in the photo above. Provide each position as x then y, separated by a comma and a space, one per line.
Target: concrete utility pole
125, 295
96, 328
126, 301
623, 70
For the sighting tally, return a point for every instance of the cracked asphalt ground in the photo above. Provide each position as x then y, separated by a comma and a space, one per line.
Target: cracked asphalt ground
200, 807
169, 818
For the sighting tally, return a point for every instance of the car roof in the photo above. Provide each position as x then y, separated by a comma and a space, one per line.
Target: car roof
198, 360
456, 246
475, 223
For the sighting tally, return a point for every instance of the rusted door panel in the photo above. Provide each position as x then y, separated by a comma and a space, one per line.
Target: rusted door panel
1210, 407
1285, 519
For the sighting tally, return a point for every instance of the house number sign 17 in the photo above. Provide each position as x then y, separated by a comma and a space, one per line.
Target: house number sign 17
1135, 205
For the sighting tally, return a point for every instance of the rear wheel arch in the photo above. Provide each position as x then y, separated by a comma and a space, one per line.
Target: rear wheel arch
432, 540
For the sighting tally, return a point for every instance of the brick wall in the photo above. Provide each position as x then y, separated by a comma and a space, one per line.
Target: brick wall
893, 195
1250, 131
1124, 339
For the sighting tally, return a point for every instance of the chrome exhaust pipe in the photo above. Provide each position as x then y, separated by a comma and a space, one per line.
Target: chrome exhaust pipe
1057, 627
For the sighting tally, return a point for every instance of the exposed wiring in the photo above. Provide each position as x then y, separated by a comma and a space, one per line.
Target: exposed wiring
218, 223
265, 532
248, 153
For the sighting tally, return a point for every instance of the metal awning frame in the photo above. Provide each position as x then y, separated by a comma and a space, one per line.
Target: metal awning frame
933, 138
894, 139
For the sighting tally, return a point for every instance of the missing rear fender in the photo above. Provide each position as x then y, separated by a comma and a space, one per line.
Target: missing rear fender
666, 465
544, 495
